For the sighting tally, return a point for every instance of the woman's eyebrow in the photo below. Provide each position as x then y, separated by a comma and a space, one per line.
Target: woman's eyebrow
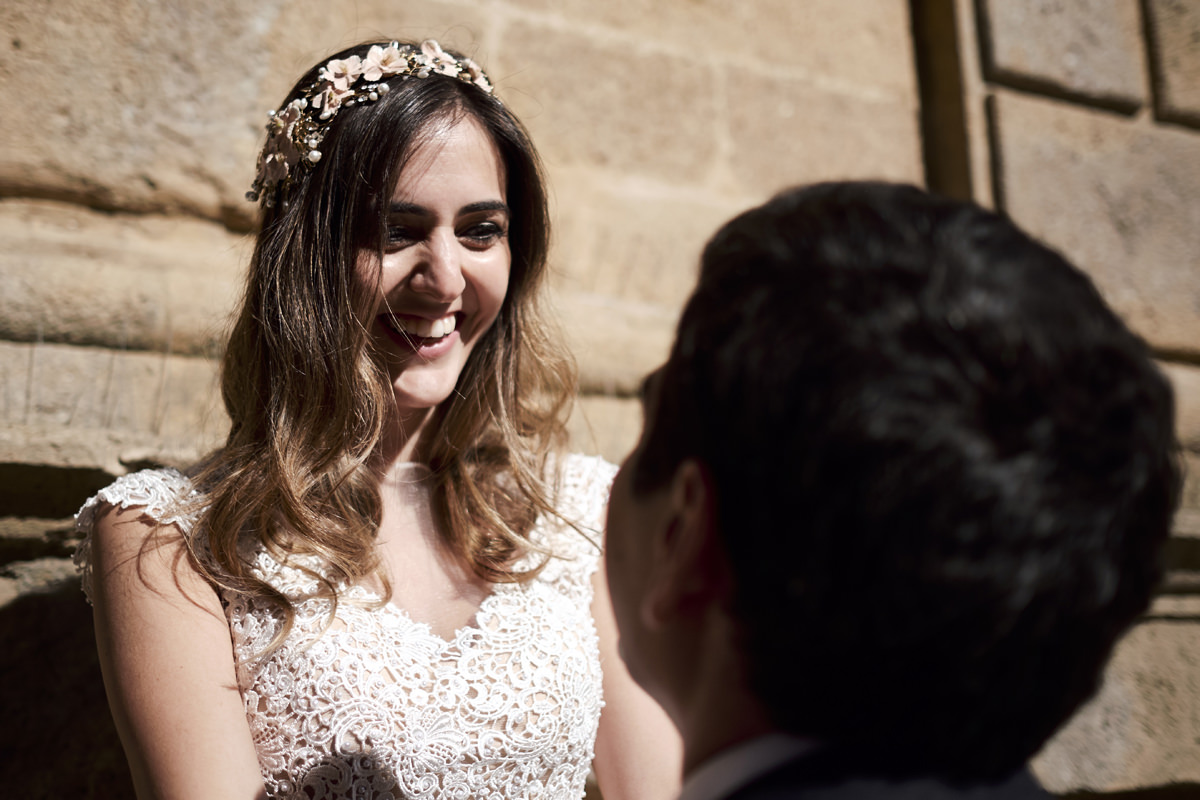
484, 205
413, 209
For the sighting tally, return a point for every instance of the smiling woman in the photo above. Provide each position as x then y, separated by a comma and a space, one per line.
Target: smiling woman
387, 582
444, 270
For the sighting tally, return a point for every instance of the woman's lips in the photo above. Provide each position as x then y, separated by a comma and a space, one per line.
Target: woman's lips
428, 339
420, 327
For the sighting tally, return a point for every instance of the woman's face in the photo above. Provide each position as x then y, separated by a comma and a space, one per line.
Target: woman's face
445, 264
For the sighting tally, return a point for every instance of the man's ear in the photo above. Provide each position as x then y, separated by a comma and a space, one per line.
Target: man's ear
688, 571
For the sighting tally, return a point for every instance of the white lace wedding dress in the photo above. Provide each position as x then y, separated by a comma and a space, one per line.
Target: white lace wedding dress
376, 705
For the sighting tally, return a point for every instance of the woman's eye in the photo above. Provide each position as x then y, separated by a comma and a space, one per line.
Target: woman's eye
483, 234
401, 236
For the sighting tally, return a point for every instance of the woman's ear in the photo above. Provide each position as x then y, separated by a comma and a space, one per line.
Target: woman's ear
688, 573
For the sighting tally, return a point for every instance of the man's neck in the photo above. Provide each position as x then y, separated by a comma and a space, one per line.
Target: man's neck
735, 766
708, 694
714, 732
717, 710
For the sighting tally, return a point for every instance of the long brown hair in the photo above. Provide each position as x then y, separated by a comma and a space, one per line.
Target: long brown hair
308, 399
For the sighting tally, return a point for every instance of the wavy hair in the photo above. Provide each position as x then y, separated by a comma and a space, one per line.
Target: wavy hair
306, 393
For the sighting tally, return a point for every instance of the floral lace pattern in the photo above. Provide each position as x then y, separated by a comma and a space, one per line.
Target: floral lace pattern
376, 705
163, 493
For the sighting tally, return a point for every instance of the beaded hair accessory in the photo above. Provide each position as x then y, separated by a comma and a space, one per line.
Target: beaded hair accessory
295, 132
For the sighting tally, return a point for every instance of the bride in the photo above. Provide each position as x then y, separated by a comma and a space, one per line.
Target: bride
386, 583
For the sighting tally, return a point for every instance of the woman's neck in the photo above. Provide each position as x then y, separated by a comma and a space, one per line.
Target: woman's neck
401, 442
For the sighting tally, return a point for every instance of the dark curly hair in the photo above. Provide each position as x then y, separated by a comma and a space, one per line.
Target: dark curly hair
944, 471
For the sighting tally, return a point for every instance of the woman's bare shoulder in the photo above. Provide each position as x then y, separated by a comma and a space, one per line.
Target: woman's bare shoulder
136, 527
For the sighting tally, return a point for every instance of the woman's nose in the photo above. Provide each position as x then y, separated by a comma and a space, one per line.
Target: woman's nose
440, 275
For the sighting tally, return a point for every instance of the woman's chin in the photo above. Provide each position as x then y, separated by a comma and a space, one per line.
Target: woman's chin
421, 393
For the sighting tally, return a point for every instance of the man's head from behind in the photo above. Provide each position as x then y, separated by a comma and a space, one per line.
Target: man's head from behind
940, 472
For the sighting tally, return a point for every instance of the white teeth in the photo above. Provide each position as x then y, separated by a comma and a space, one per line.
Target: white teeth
422, 328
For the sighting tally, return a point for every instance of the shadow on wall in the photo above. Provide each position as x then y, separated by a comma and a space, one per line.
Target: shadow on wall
57, 737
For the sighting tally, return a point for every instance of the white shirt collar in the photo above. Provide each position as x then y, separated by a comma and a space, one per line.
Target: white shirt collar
735, 766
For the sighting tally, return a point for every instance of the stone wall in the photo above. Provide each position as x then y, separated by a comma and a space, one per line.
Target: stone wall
130, 137
1081, 119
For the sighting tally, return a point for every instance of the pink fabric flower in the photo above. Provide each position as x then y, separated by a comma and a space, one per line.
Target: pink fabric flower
439, 59
382, 61
343, 72
477, 76
329, 100
274, 168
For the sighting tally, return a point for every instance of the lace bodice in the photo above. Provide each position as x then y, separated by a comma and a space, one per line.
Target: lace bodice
376, 705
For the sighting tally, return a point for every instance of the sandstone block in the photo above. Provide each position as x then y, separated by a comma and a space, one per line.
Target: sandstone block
93, 388
598, 102
41, 575
1191, 484
164, 116
1118, 198
171, 115
1182, 584
9, 590
864, 43
302, 34
1090, 48
625, 259
28, 538
785, 131
81, 448
605, 426
96, 408
1174, 606
1174, 27
616, 343
15, 363
1143, 728
153, 283
88, 457
190, 408
632, 241
1186, 381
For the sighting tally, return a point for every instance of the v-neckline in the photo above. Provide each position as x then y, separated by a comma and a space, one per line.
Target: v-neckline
409, 482
455, 641
402, 614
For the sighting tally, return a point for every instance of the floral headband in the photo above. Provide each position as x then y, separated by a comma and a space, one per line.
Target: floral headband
295, 133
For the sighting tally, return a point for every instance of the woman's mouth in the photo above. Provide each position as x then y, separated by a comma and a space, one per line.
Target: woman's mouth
411, 327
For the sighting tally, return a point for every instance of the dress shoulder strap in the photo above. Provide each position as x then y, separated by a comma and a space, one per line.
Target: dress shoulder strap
584, 484
166, 496
576, 534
